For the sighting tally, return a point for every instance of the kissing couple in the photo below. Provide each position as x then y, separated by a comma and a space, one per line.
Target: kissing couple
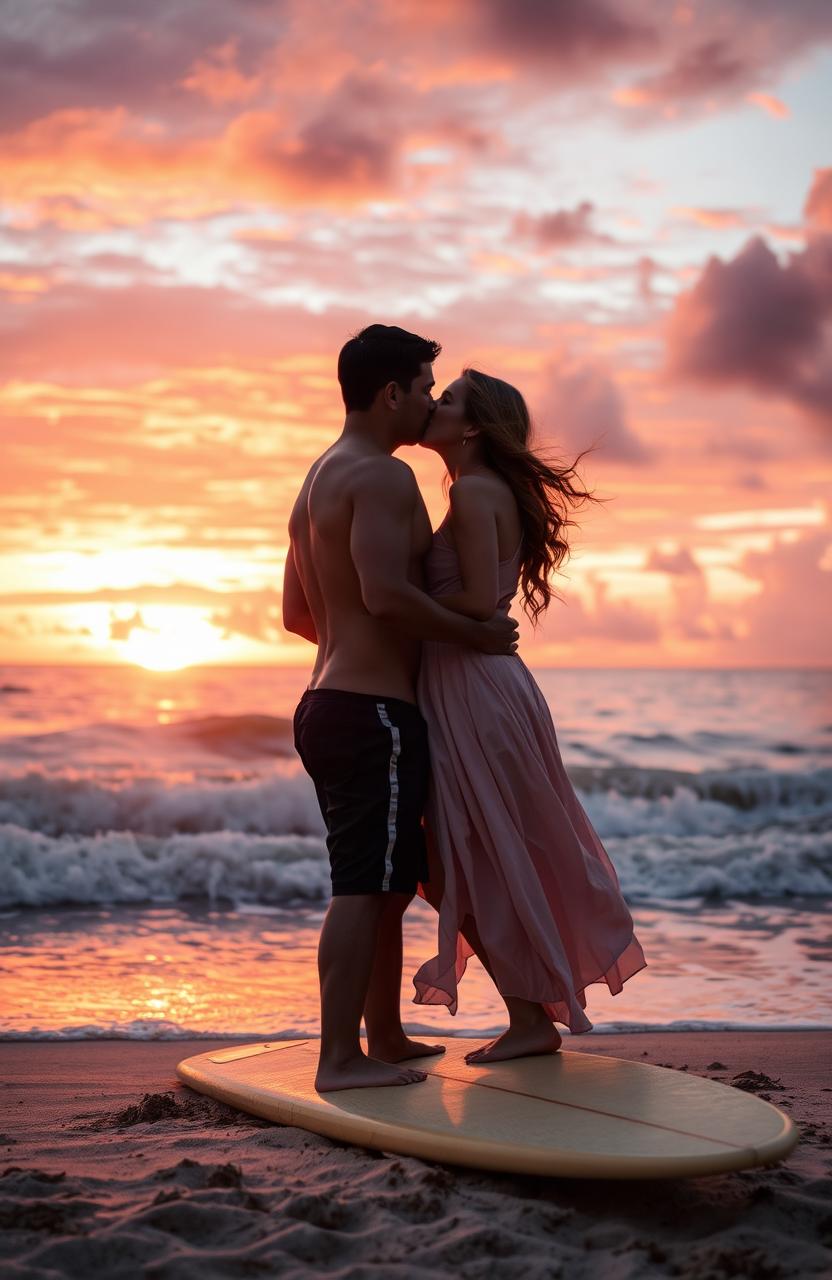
431, 747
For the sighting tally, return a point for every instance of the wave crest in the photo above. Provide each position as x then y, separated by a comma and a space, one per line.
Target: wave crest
237, 868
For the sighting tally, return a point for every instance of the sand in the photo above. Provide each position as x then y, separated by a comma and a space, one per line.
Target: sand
97, 1182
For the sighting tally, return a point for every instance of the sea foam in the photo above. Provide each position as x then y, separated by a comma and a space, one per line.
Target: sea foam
235, 867
619, 802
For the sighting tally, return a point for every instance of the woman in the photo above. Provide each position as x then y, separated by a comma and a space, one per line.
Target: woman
518, 874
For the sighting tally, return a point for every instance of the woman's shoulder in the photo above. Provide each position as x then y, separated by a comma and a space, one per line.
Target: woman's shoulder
484, 497
473, 497
483, 489
479, 485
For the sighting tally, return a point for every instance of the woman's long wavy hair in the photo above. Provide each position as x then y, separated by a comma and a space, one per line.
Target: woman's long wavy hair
545, 493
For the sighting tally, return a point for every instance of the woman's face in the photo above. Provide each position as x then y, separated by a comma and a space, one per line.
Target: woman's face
448, 422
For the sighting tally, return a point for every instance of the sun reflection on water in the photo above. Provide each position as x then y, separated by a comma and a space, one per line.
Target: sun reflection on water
254, 972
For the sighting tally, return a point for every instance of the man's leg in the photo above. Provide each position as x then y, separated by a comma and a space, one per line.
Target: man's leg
386, 1037
345, 960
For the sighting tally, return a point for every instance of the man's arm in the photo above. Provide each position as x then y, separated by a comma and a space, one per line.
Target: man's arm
380, 543
296, 614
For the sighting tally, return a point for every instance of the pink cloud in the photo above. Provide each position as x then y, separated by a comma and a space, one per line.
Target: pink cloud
161, 63
333, 157
646, 269
782, 621
80, 332
571, 36
116, 120
678, 563
754, 321
618, 620
706, 68
725, 51
583, 407
97, 55
561, 227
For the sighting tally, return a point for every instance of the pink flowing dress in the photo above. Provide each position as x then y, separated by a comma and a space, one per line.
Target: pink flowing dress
518, 851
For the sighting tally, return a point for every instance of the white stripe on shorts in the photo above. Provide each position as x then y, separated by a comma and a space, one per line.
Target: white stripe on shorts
394, 793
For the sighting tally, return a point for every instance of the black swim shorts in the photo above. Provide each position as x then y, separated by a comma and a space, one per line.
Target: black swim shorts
368, 758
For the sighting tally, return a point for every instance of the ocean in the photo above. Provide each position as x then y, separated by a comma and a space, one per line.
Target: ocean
163, 872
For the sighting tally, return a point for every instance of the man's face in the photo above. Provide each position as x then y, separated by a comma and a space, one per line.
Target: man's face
448, 422
419, 405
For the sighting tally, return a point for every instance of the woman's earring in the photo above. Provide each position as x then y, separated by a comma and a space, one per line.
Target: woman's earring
464, 440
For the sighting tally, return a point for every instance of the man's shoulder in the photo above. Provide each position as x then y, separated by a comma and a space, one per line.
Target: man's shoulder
384, 475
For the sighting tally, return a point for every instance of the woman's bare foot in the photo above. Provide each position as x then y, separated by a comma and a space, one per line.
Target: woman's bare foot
517, 1042
399, 1048
364, 1073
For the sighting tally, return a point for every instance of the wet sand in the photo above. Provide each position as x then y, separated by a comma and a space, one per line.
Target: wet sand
111, 1168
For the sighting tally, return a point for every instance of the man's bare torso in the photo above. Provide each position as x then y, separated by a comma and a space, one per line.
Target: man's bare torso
356, 651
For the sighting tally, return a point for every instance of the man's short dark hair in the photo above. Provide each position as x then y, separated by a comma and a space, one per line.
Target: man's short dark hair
379, 354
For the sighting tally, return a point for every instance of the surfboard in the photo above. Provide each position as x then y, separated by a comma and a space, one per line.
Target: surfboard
570, 1114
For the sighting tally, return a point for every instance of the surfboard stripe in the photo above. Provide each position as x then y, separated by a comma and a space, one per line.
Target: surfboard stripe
252, 1050
578, 1106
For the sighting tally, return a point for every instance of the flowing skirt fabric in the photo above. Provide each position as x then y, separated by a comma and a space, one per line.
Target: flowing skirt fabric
518, 852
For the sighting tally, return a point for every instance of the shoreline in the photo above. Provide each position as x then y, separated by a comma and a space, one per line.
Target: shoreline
113, 1167
180, 1036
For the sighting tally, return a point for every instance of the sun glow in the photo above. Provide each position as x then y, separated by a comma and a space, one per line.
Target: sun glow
170, 639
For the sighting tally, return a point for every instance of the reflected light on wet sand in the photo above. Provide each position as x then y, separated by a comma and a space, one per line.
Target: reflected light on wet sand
163, 970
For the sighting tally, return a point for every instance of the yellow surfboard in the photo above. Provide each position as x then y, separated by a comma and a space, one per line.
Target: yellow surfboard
575, 1115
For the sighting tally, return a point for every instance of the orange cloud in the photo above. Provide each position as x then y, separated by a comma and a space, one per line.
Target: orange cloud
108, 164
818, 208
218, 78
713, 218
771, 105
334, 157
23, 282
96, 166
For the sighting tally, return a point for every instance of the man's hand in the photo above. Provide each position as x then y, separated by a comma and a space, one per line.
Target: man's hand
498, 635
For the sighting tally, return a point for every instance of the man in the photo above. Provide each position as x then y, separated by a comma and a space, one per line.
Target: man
358, 532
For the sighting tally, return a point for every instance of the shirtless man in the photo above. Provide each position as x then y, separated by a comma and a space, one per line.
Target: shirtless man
358, 533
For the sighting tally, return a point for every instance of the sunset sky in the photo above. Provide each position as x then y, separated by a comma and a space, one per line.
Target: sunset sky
625, 208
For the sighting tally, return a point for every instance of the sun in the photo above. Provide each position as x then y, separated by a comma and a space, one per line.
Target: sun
170, 639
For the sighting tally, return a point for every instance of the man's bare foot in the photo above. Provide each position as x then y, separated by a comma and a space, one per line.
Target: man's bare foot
517, 1042
364, 1073
399, 1048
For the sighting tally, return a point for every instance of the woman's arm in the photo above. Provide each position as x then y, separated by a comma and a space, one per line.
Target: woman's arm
474, 528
